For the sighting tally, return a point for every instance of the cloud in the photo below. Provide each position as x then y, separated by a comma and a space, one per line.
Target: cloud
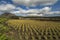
53, 13
39, 12
46, 11
32, 12
7, 7
34, 2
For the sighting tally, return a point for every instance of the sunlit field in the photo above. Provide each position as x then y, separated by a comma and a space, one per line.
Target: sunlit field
33, 30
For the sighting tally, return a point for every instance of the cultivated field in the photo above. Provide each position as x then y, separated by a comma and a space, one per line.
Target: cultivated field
3, 29
33, 30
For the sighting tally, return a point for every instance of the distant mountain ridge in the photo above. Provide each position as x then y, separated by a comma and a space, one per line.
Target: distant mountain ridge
7, 15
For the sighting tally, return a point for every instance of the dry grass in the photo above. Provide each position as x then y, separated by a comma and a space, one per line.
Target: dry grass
34, 30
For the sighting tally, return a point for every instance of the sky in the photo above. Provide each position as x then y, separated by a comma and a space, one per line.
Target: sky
31, 7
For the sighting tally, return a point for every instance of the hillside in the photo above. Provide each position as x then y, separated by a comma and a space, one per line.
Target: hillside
9, 16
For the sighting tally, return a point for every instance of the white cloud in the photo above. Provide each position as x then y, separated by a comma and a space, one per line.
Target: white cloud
46, 11
41, 12
6, 7
32, 12
34, 2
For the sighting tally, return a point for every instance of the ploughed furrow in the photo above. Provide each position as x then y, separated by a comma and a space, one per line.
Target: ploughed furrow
34, 30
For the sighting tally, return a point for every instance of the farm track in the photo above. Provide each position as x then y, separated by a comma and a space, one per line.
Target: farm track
33, 30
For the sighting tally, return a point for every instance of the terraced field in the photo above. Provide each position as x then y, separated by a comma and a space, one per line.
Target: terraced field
34, 30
